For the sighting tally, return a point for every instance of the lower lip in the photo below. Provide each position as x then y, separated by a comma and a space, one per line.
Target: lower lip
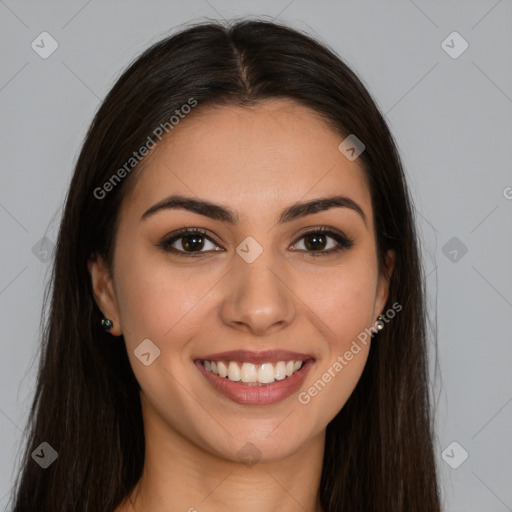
257, 395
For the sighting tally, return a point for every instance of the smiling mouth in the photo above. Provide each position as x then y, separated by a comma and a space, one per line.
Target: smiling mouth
254, 374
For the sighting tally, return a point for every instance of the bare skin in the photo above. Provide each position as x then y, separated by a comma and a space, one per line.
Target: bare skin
256, 162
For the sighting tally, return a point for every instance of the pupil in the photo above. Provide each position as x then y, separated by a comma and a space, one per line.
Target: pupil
194, 244
191, 242
315, 244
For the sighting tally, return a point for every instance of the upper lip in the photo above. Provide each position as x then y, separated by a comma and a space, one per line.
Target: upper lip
267, 356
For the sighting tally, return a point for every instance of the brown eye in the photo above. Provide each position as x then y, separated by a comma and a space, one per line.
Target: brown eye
192, 241
317, 241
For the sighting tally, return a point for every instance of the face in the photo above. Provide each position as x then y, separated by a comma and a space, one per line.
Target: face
252, 287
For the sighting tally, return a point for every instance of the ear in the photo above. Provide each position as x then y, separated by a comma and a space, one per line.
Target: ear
104, 294
383, 284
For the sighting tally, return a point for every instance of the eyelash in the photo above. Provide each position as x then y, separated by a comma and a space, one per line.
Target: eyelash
343, 242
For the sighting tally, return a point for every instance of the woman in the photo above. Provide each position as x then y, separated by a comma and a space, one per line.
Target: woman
237, 318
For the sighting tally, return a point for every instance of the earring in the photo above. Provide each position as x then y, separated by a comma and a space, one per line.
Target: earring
380, 322
106, 324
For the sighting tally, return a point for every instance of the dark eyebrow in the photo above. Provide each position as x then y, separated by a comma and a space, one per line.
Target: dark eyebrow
225, 214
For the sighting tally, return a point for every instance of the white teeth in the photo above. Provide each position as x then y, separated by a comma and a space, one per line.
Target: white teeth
233, 372
249, 373
266, 373
280, 370
223, 369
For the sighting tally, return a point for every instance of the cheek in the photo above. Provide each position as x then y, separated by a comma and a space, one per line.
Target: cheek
156, 298
334, 384
345, 353
155, 304
342, 298
343, 301
153, 296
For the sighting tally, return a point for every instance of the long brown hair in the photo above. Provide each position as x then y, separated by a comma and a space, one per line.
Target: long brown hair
379, 448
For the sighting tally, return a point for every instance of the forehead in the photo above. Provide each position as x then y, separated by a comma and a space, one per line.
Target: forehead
263, 157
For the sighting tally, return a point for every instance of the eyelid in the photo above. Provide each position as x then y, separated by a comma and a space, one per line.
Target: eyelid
167, 241
343, 241
320, 229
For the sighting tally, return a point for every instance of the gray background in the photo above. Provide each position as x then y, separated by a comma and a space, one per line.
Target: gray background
451, 118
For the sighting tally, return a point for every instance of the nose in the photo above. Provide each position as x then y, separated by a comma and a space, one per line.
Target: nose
258, 297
